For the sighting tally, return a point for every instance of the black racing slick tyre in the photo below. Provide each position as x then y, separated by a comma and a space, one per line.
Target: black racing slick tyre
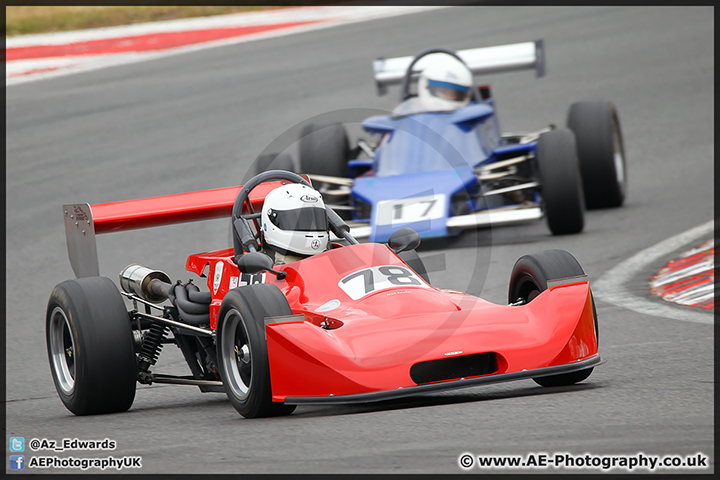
90, 346
529, 277
242, 349
600, 151
561, 183
324, 150
274, 161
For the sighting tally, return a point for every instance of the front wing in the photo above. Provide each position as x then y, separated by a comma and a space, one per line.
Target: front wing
396, 357
591, 362
484, 218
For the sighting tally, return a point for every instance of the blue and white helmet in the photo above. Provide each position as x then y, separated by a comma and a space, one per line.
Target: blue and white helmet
444, 84
294, 220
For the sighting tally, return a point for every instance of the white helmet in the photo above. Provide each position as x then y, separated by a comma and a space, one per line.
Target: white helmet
294, 220
444, 84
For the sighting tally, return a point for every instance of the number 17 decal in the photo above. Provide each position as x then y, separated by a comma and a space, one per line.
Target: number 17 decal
368, 280
398, 208
412, 209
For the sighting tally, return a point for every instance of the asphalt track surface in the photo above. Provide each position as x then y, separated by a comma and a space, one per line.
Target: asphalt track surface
198, 121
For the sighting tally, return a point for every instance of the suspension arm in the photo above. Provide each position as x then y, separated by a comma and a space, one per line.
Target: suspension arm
172, 323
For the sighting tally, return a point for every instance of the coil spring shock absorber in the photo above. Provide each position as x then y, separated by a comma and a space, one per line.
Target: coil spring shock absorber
152, 344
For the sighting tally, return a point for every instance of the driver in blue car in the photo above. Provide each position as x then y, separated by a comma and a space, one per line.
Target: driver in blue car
294, 223
445, 84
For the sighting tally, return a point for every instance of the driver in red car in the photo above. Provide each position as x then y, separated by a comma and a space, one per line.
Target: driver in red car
294, 223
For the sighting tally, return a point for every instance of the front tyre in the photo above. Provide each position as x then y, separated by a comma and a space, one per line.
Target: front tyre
242, 349
90, 346
529, 278
561, 183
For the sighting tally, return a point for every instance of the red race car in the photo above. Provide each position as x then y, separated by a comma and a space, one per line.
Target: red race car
354, 323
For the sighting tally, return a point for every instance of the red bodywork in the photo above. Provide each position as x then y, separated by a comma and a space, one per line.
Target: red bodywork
339, 345
371, 343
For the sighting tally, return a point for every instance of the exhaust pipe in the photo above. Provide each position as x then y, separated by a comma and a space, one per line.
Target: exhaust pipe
154, 286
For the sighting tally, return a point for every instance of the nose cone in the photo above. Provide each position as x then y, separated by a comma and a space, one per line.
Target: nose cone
420, 201
406, 302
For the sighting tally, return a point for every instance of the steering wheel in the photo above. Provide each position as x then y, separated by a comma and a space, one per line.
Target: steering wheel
405, 90
242, 235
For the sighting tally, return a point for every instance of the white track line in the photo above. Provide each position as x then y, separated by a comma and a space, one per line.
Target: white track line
612, 288
334, 14
330, 16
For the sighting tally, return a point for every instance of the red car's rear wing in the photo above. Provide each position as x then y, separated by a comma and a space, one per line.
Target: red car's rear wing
83, 221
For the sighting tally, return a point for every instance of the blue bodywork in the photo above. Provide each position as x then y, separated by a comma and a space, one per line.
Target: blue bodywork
431, 155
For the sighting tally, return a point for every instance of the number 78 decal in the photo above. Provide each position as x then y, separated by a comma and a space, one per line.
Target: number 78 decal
369, 280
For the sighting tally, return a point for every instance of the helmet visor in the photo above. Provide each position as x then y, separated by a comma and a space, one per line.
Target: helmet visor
448, 90
306, 219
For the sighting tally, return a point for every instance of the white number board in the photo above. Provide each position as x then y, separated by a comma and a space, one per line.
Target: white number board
368, 280
415, 209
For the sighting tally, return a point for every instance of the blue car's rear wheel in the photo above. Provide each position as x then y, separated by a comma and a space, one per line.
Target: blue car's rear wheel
242, 349
274, 161
324, 150
529, 278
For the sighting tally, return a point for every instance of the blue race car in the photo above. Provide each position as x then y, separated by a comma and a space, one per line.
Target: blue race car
440, 163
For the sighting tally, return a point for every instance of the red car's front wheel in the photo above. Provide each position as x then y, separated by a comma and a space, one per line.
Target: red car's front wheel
242, 349
529, 278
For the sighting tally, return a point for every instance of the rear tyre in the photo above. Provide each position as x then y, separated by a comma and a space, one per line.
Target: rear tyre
561, 183
600, 151
274, 161
529, 278
324, 150
242, 349
90, 346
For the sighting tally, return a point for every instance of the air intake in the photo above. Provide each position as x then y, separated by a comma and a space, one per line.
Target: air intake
454, 368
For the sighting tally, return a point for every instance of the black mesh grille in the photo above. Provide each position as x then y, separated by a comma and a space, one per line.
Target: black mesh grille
454, 368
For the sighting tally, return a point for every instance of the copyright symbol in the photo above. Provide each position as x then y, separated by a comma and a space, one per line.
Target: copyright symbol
34, 444
466, 460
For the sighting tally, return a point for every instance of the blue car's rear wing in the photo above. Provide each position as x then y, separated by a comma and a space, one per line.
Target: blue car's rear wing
481, 61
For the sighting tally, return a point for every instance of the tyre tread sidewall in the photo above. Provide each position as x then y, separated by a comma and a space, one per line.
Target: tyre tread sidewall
540, 268
105, 362
561, 182
593, 123
254, 303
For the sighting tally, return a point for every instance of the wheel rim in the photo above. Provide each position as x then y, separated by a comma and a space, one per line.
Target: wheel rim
618, 158
62, 350
531, 295
526, 289
237, 355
